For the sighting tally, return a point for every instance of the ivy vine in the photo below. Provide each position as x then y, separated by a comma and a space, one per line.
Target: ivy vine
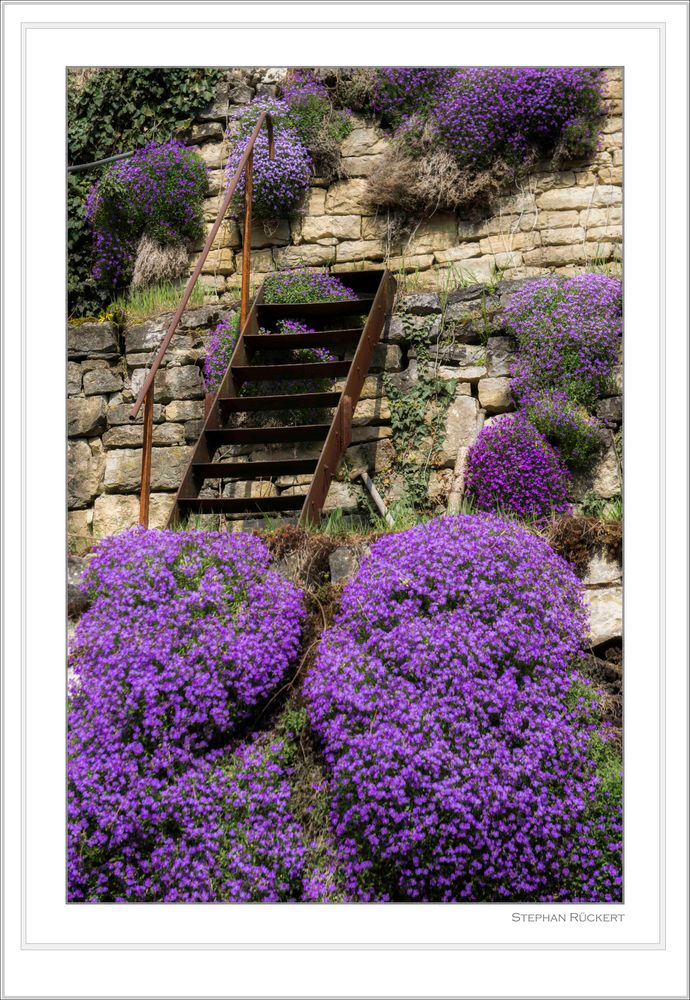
418, 413
113, 111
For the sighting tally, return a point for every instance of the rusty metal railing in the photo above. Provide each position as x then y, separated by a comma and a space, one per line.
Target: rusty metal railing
145, 396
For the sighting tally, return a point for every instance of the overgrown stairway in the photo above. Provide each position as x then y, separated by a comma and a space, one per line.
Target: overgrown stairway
345, 328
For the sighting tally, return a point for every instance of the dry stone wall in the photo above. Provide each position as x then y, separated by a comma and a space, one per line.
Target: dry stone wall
564, 220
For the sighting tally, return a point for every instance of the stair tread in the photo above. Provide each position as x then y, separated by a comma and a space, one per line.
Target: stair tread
314, 310
312, 369
254, 470
293, 341
292, 401
264, 435
235, 505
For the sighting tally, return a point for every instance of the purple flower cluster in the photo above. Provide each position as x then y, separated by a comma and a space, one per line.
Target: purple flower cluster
278, 184
221, 344
187, 633
300, 285
569, 335
511, 113
571, 429
302, 84
158, 191
513, 469
401, 90
214, 829
441, 697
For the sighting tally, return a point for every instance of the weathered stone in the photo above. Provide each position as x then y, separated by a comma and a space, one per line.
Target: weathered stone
363, 142
377, 456
91, 340
344, 561
439, 486
469, 358
387, 357
103, 380
73, 378
315, 202
305, 255
602, 570
254, 490
420, 304
207, 132
359, 166
341, 496
359, 250
347, 197
437, 233
342, 227
118, 412
145, 336
557, 220
124, 436
401, 329
193, 429
117, 513
607, 481
85, 417
457, 487
220, 261
184, 409
575, 253
465, 251
362, 435
185, 382
580, 197
495, 395
123, 469
611, 409
561, 237
370, 411
79, 536
461, 428
215, 154
500, 356
605, 613
267, 233
412, 263
84, 474
77, 602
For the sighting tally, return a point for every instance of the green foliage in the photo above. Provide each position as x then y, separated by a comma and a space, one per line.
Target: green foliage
117, 110
140, 304
605, 510
418, 415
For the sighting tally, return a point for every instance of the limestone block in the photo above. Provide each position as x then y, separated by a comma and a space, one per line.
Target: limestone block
309, 255
613, 234
103, 380
216, 184
607, 482
260, 261
74, 374
610, 410
500, 356
255, 490
359, 250
495, 395
374, 457
437, 233
185, 382
580, 197
341, 496
558, 220
386, 357
118, 412
558, 237
344, 561
206, 132
212, 284
220, 262
184, 409
439, 485
464, 252
509, 242
79, 536
359, 166
470, 360
370, 411
215, 154
461, 428
315, 202
91, 340
611, 216
364, 435
347, 197
85, 417
578, 253
508, 260
411, 264
363, 142
457, 488
602, 570
420, 304
605, 606
374, 227
145, 336
117, 513
123, 469
84, 474
480, 269
342, 227
267, 233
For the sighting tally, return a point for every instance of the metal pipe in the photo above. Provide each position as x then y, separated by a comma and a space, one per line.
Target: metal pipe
378, 500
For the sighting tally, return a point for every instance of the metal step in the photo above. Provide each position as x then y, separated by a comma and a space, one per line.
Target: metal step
270, 312
249, 471
237, 505
298, 372
294, 401
267, 435
293, 341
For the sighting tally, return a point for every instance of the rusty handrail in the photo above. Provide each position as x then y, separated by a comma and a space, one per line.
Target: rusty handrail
146, 391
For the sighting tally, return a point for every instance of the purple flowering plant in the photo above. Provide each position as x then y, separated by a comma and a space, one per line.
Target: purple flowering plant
301, 285
158, 192
186, 635
221, 344
465, 757
572, 430
512, 468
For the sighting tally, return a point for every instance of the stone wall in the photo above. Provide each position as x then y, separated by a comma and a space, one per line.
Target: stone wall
562, 220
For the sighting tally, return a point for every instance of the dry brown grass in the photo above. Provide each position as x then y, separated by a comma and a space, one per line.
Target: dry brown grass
577, 539
156, 263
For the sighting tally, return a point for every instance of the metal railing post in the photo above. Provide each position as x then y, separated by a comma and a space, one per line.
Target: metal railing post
247, 241
146, 457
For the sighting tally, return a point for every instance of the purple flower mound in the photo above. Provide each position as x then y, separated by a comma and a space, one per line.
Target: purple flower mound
157, 191
399, 90
441, 698
510, 113
218, 829
569, 335
513, 469
278, 184
187, 633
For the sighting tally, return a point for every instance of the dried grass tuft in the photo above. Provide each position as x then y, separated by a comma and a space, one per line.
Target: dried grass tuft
156, 262
577, 539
